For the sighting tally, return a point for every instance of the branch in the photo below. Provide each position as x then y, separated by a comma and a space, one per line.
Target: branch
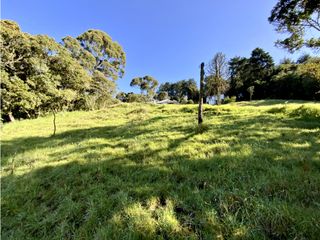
313, 24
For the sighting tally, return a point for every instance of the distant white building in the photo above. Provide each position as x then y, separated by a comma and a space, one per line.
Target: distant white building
167, 101
213, 100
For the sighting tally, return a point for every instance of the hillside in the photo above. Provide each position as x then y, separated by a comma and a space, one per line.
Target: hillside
135, 171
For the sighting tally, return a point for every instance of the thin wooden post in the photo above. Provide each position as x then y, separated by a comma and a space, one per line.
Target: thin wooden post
200, 110
54, 122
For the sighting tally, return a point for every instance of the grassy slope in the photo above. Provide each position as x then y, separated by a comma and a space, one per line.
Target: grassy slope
147, 172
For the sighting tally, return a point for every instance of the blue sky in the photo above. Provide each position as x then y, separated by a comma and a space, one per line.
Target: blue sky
167, 39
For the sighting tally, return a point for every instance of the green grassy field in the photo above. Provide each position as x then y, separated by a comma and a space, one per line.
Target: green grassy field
252, 171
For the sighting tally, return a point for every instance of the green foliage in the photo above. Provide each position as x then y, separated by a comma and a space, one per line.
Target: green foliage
39, 75
96, 51
143, 171
237, 70
231, 99
302, 59
132, 97
146, 83
179, 90
162, 96
217, 71
183, 101
254, 71
295, 17
297, 81
102, 57
122, 96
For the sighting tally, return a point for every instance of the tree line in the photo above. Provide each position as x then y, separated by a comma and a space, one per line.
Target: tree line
39, 75
257, 76
241, 78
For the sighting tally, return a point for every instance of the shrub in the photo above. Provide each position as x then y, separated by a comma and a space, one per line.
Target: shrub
190, 102
230, 99
162, 96
136, 98
183, 101
94, 102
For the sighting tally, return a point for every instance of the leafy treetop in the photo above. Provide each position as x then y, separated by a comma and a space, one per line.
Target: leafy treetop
295, 17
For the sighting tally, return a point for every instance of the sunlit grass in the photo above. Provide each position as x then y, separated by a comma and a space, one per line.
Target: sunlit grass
132, 171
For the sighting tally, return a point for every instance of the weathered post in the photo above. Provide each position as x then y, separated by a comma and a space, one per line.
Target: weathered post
54, 122
200, 110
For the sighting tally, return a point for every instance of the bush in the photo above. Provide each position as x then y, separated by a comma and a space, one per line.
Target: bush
136, 98
184, 101
94, 102
190, 102
162, 96
230, 100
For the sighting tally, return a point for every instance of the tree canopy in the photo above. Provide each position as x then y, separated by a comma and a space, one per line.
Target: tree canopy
146, 83
103, 59
38, 74
217, 74
257, 76
254, 71
181, 89
295, 17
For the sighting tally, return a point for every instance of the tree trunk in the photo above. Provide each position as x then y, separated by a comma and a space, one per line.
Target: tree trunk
200, 110
11, 117
219, 98
54, 123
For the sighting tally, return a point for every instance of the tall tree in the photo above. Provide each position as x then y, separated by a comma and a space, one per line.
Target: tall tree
238, 68
38, 73
146, 83
188, 88
103, 58
168, 88
254, 71
294, 17
259, 72
217, 71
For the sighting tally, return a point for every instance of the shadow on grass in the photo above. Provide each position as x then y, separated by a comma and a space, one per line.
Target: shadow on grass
130, 130
270, 102
161, 194
79, 200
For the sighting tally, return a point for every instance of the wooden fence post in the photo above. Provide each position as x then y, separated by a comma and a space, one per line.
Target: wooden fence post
200, 110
